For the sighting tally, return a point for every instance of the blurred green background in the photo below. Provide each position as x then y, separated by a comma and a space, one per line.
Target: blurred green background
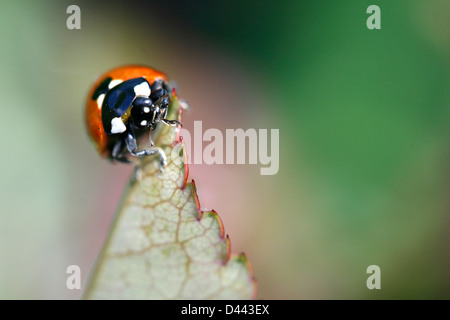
364, 138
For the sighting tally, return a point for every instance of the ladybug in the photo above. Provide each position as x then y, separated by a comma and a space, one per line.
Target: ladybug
122, 105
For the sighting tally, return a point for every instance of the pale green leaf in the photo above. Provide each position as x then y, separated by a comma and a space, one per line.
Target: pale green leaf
162, 246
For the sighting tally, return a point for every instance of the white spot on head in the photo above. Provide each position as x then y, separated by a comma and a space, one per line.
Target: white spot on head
100, 100
143, 122
142, 89
114, 83
117, 125
146, 109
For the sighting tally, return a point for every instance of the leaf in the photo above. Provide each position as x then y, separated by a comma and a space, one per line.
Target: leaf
161, 245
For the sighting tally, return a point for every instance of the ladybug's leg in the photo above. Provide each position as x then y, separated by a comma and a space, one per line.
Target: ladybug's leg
171, 123
117, 152
132, 148
117, 155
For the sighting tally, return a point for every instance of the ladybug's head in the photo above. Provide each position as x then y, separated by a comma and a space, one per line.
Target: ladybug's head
134, 102
146, 112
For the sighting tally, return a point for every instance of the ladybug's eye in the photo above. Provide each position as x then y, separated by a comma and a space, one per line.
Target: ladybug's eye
158, 94
164, 102
161, 99
158, 84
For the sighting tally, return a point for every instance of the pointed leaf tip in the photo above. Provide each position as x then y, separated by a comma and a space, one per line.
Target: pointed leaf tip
162, 245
